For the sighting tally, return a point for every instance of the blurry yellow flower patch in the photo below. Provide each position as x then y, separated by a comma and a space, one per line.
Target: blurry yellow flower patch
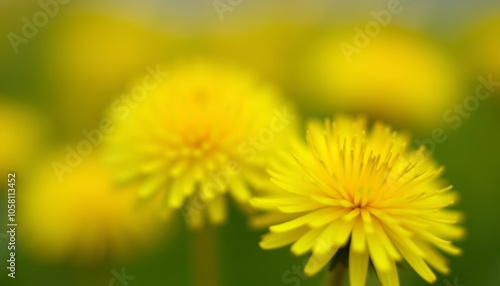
85, 218
398, 76
206, 131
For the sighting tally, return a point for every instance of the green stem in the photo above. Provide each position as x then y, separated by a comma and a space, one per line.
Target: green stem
337, 275
204, 255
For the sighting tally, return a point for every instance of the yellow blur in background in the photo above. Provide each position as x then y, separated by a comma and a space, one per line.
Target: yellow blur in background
397, 75
84, 218
25, 130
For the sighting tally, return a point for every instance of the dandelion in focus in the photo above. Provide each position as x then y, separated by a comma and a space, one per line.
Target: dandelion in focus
360, 197
205, 132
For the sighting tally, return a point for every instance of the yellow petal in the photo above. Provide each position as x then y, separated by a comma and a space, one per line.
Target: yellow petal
178, 168
334, 215
239, 190
178, 190
358, 267
378, 253
419, 265
271, 218
319, 260
275, 240
151, 185
275, 202
386, 241
217, 210
358, 239
388, 277
152, 166
434, 258
306, 242
336, 234
305, 205
300, 221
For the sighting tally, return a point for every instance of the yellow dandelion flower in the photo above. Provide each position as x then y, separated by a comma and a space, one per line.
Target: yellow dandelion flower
203, 132
362, 194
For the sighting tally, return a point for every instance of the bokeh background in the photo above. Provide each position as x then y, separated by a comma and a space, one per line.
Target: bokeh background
60, 77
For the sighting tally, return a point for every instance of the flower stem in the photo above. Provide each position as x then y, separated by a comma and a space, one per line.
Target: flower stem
337, 275
204, 253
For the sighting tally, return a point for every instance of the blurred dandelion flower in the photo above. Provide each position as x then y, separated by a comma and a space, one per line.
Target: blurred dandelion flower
204, 132
392, 91
85, 220
363, 195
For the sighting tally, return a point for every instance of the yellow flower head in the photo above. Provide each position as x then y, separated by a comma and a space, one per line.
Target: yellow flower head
363, 194
203, 132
